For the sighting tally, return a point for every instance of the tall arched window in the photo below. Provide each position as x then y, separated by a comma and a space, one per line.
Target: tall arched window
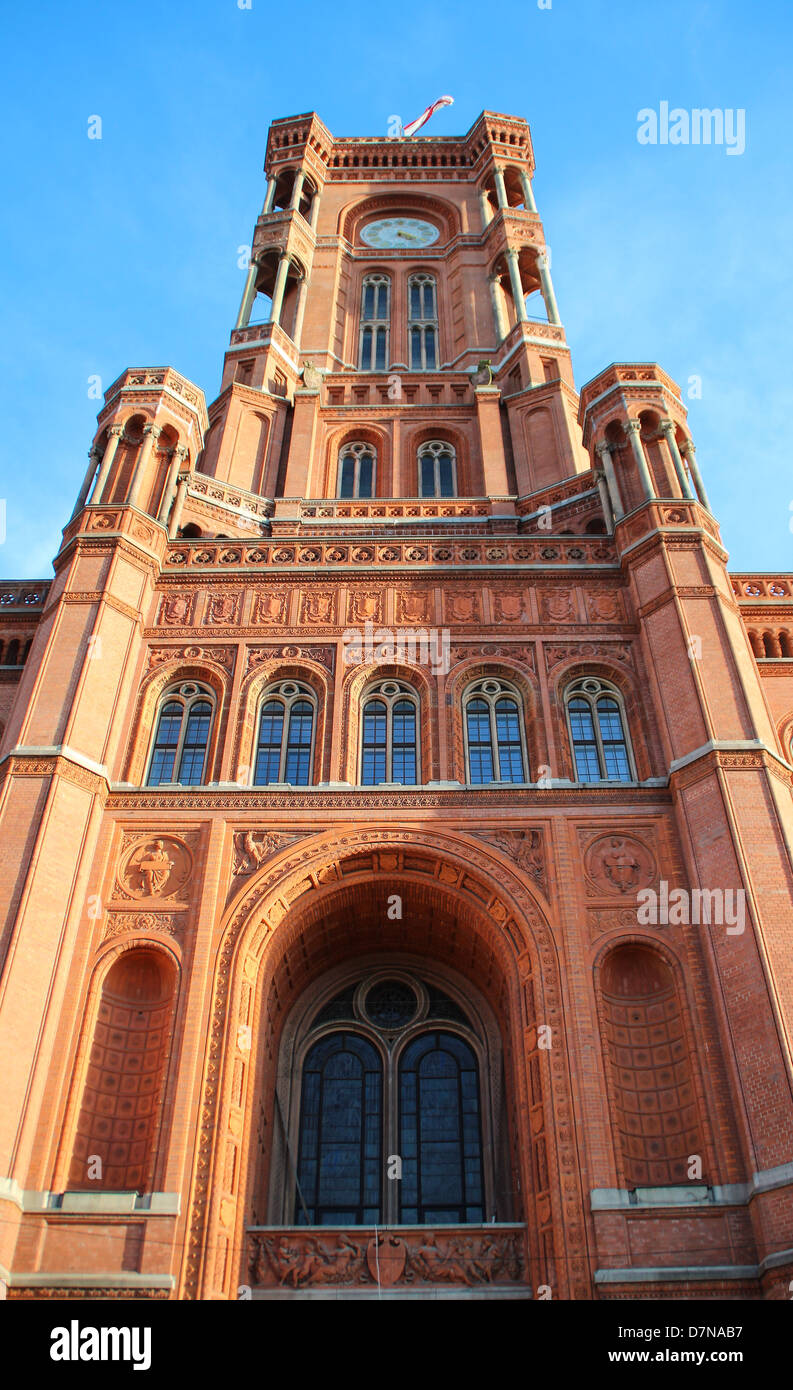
597, 732
375, 321
357, 471
180, 744
389, 735
494, 733
392, 1065
423, 322
286, 736
437, 469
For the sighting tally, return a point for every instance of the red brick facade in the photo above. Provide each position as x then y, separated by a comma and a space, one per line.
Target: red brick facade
172, 944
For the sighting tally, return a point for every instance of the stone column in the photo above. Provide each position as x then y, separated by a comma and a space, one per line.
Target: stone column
115, 435
248, 296
178, 506
178, 458
604, 450
278, 289
501, 187
517, 288
486, 207
546, 286
94, 458
774, 643
502, 327
314, 214
605, 501
690, 456
668, 429
302, 296
297, 189
151, 433
633, 430
269, 197
528, 192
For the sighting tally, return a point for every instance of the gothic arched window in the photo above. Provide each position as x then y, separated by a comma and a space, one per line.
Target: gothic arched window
494, 734
437, 469
179, 750
423, 322
389, 735
440, 1140
286, 736
595, 715
357, 471
339, 1160
375, 321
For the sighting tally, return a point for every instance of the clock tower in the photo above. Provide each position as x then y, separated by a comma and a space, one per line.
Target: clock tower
395, 797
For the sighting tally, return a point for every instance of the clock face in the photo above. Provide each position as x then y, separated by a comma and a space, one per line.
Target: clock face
399, 233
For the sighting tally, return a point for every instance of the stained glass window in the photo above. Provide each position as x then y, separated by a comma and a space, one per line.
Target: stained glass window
440, 1131
340, 1164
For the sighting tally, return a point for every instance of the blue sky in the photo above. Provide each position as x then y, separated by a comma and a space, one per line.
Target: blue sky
123, 252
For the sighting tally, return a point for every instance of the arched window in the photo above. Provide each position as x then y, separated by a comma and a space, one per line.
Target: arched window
494, 733
437, 469
357, 471
597, 733
391, 1067
286, 736
389, 735
423, 322
180, 743
375, 321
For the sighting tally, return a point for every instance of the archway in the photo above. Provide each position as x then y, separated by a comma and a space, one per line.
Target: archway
467, 911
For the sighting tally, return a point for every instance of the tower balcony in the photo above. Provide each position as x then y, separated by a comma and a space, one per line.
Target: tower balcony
398, 1262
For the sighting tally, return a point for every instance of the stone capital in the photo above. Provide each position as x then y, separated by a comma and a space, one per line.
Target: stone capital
117, 430
154, 430
633, 427
604, 449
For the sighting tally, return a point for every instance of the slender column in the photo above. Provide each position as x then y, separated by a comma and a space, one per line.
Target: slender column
605, 501
487, 208
297, 189
528, 191
151, 434
278, 291
502, 328
178, 457
517, 288
611, 480
546, 286
115, 435
314, 214
248, 296
775, 645
501, 187
633, 429
94, 458
690, 456
178, 506
668, 428
269, 197
302, 296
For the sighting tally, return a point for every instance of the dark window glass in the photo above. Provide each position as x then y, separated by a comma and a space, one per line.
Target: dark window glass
298, 747
415, 349
584, 741
165, 743
429, 300
340, 1150
366, 350
427, 475
368, 301
347, 488
380, 351
510, 754
268, 752
191, 763
480, 750
415, 301
429, 348
382, 301
440, 1131
375, 722
615, 752
446, 475
365, 475
404, 742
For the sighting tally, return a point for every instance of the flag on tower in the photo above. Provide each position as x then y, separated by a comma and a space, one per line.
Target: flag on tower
421, 120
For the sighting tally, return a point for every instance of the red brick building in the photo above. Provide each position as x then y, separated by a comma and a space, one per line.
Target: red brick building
338, 761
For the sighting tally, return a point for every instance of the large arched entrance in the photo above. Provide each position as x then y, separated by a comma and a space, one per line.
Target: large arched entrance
318, 926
